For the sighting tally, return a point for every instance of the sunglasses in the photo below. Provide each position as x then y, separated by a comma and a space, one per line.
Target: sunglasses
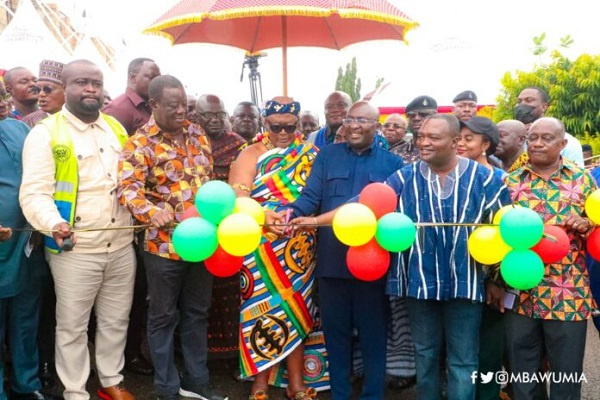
396, 126
279, 128
5, 97
47, 89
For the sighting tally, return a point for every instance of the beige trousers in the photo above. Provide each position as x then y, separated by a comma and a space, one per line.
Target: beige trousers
104, 281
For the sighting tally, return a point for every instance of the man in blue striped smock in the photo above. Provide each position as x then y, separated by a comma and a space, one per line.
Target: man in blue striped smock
443, 285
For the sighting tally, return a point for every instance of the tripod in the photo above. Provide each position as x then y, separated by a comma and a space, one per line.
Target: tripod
251, 60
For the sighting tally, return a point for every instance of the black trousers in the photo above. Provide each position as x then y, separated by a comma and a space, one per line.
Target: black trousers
564, 345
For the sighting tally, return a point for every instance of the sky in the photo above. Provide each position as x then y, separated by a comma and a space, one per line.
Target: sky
461, 45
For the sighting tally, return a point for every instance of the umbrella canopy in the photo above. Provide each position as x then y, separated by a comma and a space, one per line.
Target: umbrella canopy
264, 24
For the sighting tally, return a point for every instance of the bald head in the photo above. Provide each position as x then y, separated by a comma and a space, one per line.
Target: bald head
207, 101
545, 141
369, 110
211, 115
394, 128
513, 134
84, 89
336, 108
309, 122
551, 123
74, 67
361, 124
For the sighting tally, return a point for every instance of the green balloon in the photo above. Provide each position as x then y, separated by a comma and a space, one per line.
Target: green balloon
195, 239
215, 200
521, 228
522, 269
395, 232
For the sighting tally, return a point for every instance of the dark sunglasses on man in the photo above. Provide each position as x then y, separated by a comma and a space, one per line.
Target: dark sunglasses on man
46, 89
278, 128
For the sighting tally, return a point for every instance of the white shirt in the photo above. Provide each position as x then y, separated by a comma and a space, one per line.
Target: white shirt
97, 150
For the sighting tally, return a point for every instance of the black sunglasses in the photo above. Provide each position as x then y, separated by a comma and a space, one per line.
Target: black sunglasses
279, 128
47, 89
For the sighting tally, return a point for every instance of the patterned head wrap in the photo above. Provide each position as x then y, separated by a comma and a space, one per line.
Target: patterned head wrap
274, 107
2, 72
51, 71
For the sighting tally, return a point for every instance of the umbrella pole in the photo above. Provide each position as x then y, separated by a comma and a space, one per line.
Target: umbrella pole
284, 52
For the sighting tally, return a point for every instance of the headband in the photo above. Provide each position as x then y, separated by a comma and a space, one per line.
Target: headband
274, 107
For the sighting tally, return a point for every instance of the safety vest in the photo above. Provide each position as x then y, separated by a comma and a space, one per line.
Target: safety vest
66, 174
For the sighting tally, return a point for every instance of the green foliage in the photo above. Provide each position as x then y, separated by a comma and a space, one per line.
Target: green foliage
538, 43
566, 41
573, 87
379, 82
593, 141
347, 81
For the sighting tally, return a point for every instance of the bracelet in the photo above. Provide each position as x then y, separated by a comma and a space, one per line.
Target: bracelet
241, 187
315, 219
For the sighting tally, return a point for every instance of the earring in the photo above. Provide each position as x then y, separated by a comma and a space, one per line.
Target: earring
484, 154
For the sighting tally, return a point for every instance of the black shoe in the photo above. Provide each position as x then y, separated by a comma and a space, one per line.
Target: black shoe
401, 382
37, 395
202, 392
48, 376
139, 365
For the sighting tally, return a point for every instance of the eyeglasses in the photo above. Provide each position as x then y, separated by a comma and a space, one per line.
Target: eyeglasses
396, 126
421, 114
212, 115
5, 97
546, 139
279, 128
359, 121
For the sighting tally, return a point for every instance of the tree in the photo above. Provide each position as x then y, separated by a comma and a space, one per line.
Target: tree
573, 87
348, 82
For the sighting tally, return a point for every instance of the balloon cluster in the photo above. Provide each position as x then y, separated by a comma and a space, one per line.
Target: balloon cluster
220, 230
521, 244
372, 229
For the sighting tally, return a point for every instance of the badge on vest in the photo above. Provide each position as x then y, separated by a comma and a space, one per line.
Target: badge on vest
61, 152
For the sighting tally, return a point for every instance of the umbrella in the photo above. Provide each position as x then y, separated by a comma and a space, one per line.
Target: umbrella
264, 24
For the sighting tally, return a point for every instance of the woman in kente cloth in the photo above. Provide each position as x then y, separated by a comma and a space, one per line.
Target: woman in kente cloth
276, 313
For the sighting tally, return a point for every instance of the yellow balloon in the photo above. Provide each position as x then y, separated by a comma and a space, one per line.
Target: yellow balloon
500, 213
239, 234
251, 207
486, 245
354, 224
592, 207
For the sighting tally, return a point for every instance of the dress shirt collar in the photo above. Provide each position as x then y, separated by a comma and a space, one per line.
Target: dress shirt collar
568, 165
135, 98
82, 126
152, 129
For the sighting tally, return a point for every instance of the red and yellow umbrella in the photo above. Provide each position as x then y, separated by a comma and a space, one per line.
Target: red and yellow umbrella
264, 24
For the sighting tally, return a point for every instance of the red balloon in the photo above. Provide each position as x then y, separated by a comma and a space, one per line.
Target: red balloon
368, 262
222, 264
380, 198
593, 244
554, 245
190, 213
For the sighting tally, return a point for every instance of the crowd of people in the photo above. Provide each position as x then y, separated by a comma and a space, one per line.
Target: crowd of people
92, 188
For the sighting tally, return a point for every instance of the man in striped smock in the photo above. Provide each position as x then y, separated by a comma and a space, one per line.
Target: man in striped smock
443, 285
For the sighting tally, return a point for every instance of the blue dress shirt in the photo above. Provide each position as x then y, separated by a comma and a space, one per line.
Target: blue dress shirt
338, 174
